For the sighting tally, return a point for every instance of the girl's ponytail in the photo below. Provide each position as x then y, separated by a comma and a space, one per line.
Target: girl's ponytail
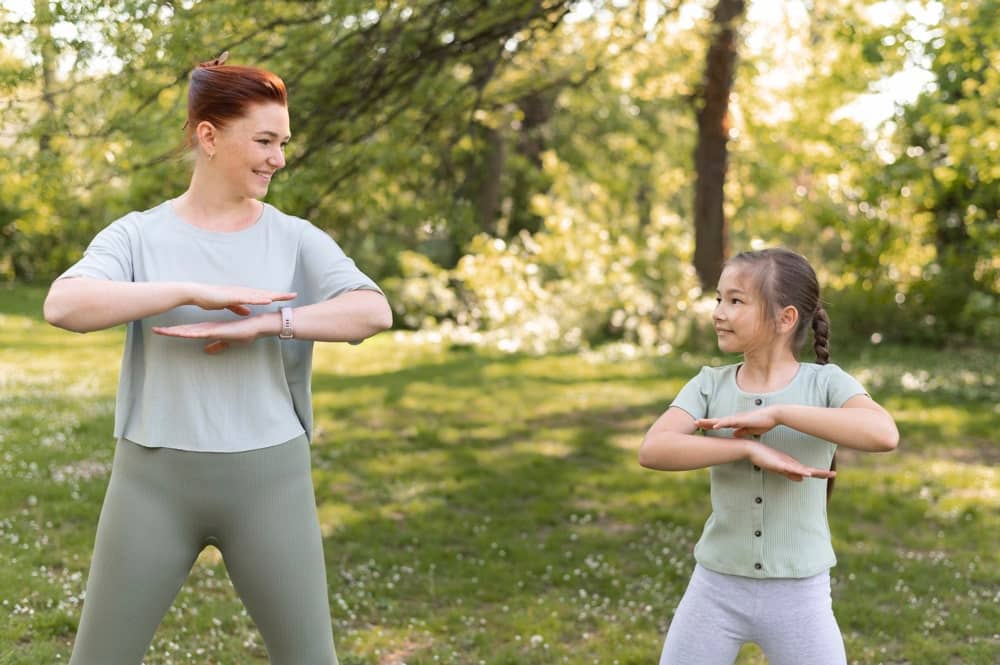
821, 345
821, 336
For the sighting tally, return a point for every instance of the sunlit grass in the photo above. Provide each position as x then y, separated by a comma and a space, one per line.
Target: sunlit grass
488, 508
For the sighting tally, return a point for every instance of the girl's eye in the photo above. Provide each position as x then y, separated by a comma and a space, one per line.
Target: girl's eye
718, 300
263, 141
737, 301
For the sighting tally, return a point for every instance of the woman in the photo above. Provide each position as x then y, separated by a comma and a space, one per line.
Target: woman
223, 297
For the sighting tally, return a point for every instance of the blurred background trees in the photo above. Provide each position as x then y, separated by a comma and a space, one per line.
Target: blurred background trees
535, 174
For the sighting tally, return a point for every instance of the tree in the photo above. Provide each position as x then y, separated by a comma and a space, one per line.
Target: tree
711, 159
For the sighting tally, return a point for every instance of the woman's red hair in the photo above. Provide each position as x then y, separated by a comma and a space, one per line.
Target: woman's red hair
221, 93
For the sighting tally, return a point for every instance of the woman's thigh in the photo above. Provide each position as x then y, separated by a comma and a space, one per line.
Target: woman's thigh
273, 551
143, 552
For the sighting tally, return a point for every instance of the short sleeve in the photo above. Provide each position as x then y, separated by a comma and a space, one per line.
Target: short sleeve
840, 386
693, 397
326, 271
109, 255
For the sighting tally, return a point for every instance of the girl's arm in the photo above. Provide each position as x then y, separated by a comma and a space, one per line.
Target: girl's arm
350, 317
84, 304
860, 423
670, 445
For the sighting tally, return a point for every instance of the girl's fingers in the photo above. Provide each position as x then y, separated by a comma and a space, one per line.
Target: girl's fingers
242, 310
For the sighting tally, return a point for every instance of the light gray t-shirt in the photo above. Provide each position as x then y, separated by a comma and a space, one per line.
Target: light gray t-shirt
763, 524
171, 393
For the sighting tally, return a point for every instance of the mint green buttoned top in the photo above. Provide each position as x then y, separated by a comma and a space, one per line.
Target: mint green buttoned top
764, 525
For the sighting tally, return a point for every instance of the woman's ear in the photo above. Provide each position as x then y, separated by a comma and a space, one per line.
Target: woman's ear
207, 134
787, 320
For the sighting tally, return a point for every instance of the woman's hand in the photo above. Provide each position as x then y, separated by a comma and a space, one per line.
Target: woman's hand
234, 298
748, 423
776, 461
222, 333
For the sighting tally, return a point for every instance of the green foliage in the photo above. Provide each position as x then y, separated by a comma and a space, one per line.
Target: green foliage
459, 148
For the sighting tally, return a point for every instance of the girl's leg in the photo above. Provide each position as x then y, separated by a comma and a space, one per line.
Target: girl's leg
798, 624
273, 551
142, 555
709, 625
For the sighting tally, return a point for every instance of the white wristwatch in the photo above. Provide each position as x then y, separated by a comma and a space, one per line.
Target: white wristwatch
287, 331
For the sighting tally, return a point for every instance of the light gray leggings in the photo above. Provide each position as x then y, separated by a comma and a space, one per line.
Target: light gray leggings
790, 619
163, 506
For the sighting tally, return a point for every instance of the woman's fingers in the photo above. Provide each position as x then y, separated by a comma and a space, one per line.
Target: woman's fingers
242, 310
218, 346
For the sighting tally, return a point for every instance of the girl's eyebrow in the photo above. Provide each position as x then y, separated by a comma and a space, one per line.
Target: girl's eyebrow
731, 291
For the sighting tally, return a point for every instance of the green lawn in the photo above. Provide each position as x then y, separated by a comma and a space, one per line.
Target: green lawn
481, 508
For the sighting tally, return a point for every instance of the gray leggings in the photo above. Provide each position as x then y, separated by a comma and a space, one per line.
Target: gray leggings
163, 506
791, 619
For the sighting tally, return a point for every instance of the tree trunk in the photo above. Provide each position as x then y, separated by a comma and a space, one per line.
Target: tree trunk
710, 156
490, 187
47, 50
537, 109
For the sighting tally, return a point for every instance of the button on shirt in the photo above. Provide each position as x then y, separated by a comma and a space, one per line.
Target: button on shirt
763, 524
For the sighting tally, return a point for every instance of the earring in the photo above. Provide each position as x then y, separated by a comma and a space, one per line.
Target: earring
211, 156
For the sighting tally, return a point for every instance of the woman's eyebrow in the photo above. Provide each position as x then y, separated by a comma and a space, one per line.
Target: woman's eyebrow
274, 134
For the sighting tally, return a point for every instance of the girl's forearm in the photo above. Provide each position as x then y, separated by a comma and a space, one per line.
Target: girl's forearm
861, 428
83, 304
671, 451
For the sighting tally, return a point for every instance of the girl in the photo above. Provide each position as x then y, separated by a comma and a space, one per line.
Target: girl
214, 449
771, 427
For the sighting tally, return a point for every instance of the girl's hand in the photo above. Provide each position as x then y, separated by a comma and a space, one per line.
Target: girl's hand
223, 333
748, 423
234, 298
776, 461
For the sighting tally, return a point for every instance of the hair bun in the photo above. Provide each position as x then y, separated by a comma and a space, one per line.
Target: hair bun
221, 60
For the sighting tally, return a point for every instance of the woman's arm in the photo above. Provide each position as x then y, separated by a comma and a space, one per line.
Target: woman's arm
350, 317
670, 445
84, 304
860, 423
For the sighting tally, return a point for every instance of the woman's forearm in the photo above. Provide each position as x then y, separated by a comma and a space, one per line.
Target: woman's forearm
862, 428
83, 304
350, 317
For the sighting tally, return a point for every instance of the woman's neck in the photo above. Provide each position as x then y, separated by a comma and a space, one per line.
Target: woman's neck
767, 369
216, 213
211, 203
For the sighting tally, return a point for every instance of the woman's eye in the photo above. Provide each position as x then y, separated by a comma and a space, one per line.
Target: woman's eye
737, 301
718, 300
263, 141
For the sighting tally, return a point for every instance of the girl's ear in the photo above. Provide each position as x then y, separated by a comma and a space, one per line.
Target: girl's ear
787, 320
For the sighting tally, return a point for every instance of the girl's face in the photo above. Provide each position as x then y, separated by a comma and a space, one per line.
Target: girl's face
251, 149
739, 318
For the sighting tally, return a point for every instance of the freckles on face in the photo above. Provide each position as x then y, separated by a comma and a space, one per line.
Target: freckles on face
254, 146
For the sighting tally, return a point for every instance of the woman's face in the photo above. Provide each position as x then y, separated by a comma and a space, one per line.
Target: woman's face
251, 149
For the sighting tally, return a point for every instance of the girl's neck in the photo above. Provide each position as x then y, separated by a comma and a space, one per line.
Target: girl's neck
767, 370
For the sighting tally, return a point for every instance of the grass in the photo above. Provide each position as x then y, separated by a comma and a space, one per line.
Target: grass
489, 509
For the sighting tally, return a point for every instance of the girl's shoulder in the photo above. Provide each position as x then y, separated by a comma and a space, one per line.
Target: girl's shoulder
827, 372
710, 377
